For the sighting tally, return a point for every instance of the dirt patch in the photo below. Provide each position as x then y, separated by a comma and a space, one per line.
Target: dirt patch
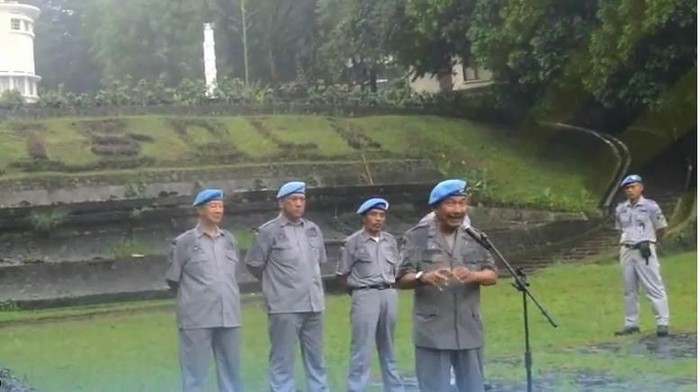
10, 383
209, 153
580, 380
34, 142
139, 137
180, 126
289, 150
109, 141
36, 148
675, 346
353, 135
109, 126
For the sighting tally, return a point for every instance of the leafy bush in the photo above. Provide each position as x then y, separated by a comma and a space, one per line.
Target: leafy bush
290, 97
46, 222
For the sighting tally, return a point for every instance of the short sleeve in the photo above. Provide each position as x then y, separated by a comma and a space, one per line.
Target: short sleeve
176, 259
345, 262
409, 255
657, 217
618, 225
256, 256
323, 257
488, 262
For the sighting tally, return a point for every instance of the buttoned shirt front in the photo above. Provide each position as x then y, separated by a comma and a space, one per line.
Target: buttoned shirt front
289, 254
447, 319
639, 222
367, 260
205, 268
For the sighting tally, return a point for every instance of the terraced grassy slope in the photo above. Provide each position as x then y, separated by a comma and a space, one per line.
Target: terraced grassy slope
505, 166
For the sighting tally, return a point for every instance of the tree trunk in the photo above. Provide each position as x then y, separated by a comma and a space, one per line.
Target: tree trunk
373, 79
271, 64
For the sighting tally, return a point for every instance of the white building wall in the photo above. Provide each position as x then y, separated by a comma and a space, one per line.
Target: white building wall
17, 71
461, 78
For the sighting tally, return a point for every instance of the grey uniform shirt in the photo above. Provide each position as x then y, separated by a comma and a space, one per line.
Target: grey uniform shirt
205, 268
449, 319
289, 255
368, 261
639, 222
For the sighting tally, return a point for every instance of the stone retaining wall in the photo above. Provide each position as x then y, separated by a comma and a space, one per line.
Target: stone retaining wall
37, 285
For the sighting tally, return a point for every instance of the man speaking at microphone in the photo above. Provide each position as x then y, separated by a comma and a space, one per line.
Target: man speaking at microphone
446, 267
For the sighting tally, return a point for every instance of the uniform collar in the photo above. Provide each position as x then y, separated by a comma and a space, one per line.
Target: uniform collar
640, 202
200, 232
284, 221
366, 237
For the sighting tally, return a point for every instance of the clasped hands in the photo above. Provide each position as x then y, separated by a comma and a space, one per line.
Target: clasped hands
442, 277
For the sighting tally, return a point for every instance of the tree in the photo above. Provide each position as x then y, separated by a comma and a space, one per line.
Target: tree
151, 39
357, 35
432, 35
62, 49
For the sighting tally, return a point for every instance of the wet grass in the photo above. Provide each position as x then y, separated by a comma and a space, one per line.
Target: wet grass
506, 165
134, 346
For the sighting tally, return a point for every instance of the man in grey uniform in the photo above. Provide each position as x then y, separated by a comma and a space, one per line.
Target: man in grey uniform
368, 265
286, 255
202, 270
467, 223
642, 223
446, 268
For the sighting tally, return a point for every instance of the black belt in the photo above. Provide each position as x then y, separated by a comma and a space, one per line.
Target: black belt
634, 246
383, 286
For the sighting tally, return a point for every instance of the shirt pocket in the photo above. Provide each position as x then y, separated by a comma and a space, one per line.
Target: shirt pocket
232, 256
364, 265
198, 264
391, 264
432, 259
625, 219
284, 252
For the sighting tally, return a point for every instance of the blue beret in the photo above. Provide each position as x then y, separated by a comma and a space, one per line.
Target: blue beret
375, 202
206, 196
631, 179
445, 189
291, 187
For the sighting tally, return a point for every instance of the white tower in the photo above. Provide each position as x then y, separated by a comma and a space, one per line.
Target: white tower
17, 49
209, 59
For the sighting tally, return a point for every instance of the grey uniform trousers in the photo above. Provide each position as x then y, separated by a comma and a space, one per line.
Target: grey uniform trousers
373, 318
635, 271
433, 370
195, 350
286, 330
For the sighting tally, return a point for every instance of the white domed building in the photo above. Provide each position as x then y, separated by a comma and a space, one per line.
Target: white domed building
17, 49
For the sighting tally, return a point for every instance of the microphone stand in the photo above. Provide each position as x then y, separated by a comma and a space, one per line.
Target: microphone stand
521, 284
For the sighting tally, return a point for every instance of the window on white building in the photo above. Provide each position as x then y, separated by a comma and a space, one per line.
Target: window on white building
469, 73
15, 24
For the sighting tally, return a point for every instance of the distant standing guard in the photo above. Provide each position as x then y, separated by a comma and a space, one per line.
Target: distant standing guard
642, 224
202, 270
446, 268
286, 255
368, 265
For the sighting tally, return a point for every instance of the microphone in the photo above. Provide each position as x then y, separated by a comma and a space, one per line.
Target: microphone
478, 236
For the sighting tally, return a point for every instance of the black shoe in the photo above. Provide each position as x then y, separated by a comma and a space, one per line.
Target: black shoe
661, 331
627, 331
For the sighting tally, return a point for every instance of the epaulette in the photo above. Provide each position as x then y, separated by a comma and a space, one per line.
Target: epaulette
420, 225
264, 225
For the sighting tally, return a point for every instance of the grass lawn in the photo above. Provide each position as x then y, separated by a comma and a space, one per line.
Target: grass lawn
134, 349
507, 166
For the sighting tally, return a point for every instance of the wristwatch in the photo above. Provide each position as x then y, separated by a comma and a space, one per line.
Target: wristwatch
419, 275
